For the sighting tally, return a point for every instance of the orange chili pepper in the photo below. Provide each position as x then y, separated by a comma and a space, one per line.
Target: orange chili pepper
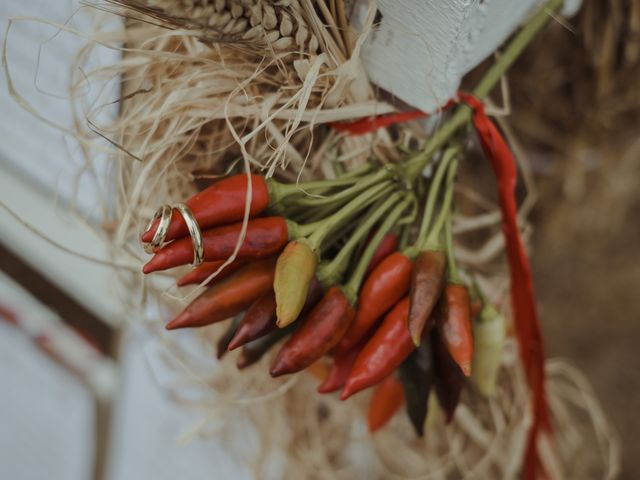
456, 325
387, 399
227, 298
200, 273
318, 369
321, 331
389, 346
427, 281
220, 204
264, 237
384, 287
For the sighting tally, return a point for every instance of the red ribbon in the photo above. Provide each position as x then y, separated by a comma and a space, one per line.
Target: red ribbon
525, 312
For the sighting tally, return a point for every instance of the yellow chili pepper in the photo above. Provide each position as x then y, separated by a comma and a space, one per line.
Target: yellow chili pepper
489, 334
295, 268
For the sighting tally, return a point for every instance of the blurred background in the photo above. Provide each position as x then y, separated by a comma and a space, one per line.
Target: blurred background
79, 399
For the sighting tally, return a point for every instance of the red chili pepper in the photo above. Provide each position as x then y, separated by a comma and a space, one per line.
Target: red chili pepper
220, 204
387, 247
200, 273
387, 399
228, 298
340, 369
449, 379
321, 331
456, 326
389, 346
427, 281
386, 285
264, 237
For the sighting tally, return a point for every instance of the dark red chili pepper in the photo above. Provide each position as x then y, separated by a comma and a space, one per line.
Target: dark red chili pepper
229, 297
387, 399
456, 325
264, 237
384, 287
253, 351
260, 319
320, 332
449, 379
200, 273
223, 341
220, 204
340, 369
389, 346
387, 247
417, 376
427, 281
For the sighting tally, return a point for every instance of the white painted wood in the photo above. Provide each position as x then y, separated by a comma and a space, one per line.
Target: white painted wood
423, 48
41, 172
46, 414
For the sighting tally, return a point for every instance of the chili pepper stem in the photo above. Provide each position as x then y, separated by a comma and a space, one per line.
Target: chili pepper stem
363, 184
463, 114
324, 227
281, 191
452, 268
353, 286
434, 190
432, 242
330, 273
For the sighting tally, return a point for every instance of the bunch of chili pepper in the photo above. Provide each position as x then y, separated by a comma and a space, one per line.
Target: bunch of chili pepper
359, 270
346, 276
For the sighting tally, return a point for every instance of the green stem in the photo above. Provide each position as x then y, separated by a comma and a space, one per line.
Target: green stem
432, 241
452, 268
324, 227
404, 237
434, 191
462, 115
353, 286
330, 273
348, 193
410, 217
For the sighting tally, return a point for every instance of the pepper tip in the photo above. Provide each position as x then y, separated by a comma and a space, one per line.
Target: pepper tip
347, 391
147, 236
148, 267
181, 321
278, 369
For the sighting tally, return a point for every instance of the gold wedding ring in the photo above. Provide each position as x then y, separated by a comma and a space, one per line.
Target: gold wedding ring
194, 231
164, 214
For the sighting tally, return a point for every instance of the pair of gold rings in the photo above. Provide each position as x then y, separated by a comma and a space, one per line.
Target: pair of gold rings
163, 215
